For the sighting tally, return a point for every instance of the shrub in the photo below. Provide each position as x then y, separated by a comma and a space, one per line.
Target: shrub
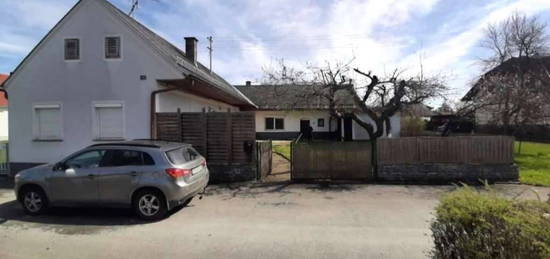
412, 126
473, 224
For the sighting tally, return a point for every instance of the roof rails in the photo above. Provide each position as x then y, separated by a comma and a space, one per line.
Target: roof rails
132, 144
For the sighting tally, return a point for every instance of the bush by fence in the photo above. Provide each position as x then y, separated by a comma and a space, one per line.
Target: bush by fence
470, 224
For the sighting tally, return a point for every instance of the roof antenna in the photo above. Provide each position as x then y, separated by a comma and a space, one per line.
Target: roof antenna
135, 4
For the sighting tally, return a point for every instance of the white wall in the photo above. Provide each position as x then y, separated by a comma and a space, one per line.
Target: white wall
4, 123
47, 77
360, 133
171, 101
292, 120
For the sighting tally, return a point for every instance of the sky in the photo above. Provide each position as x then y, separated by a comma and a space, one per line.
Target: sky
251, 35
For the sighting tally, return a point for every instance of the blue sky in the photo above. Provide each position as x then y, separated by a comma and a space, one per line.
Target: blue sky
379, 35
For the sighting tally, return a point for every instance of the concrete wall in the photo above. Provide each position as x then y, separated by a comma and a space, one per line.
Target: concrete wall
46, 77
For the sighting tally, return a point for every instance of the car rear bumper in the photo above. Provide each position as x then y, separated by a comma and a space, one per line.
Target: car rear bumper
179, 195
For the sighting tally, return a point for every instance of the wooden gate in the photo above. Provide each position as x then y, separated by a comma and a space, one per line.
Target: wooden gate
331, 160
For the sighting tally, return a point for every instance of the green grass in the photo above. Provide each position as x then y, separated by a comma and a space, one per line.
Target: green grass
283, 149
534, 163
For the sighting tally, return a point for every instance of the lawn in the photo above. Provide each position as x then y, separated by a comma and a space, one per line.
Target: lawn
283, 149
534, 163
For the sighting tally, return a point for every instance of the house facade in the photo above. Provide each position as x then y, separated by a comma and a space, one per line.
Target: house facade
284, 111
99, 75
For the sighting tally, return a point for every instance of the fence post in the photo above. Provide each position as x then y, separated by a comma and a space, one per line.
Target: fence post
180, 126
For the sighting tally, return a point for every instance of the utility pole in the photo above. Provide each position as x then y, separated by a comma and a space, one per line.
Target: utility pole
209, 38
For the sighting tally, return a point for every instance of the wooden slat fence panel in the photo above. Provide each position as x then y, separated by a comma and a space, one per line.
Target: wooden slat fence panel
459, 150
332, 160
223, 138
265, 155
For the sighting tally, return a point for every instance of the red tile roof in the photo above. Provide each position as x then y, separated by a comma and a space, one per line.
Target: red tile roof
3, 100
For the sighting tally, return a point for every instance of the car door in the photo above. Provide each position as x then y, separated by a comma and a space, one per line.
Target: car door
120, 175
76, 181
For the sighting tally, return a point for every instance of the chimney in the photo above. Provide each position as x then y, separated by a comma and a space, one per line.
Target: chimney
191, 49
248, 83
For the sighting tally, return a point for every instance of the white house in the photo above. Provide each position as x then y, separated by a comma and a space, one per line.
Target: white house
99, 75
284, 111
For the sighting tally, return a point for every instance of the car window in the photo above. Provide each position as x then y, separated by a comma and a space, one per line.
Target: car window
128, 158
90, 159
182, 155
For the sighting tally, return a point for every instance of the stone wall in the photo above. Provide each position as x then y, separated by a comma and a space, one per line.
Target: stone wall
445, 173
232, 173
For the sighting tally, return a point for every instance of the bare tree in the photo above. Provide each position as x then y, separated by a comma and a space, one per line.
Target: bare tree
516, 37
512, 93
379, 98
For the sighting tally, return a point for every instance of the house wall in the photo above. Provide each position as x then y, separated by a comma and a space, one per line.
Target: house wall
3, 123
171, 101
359, 133
46, 77
292, 123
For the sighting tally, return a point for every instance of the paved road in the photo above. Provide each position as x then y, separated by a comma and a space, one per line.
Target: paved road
278, 221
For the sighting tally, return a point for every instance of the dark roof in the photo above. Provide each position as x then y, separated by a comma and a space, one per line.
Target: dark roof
510, 66
166, 49
164, 145
297, 97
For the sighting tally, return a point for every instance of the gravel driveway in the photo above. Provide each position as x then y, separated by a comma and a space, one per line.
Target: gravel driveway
245, 221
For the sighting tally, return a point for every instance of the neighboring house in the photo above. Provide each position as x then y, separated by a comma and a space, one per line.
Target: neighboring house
3, 111
538, 67
286, 110
99, 75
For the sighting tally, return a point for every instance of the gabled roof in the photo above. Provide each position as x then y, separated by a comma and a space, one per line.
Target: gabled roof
513, 65
166, 49
297, 97
418, 110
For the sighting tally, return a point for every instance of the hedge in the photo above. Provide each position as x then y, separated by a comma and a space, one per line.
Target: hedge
482, 224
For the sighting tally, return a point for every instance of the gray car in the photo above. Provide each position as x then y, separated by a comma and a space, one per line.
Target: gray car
152, 177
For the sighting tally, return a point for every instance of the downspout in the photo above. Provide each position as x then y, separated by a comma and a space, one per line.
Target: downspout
153, 121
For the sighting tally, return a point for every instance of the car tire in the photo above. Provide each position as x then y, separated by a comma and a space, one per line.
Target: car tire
150, 205
33, 200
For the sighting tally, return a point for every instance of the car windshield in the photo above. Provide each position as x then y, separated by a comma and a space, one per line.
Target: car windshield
182, 155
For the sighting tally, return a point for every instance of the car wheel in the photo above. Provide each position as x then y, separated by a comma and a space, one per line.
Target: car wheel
150, 205
33, 200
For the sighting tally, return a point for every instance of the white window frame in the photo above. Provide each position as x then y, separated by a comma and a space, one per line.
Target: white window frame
274, 123
79, 49
121, 47
48, 105
95, 125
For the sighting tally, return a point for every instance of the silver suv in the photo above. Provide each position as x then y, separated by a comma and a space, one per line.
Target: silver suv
152, 177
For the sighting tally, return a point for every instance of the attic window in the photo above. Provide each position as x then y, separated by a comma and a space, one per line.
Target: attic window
112, 47
72, 49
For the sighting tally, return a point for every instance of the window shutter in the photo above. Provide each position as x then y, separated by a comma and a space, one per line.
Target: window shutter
112, 47
48, 123
109, 122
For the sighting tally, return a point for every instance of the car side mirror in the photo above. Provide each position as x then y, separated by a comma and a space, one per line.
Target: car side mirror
59, 166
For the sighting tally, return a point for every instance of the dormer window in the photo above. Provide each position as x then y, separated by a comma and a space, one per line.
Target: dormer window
72, 49
112, 47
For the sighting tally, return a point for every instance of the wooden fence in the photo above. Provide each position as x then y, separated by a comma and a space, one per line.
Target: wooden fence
457, 150
223, 138
331, 160
265, 154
